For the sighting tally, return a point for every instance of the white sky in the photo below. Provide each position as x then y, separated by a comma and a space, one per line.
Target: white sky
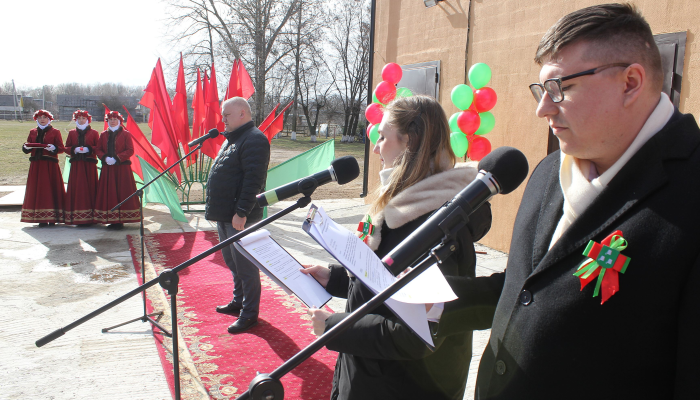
122, 41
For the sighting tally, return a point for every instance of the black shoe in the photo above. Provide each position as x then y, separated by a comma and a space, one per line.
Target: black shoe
242, 324
52, 224
115, 226
230, 309
84, 225
43, 224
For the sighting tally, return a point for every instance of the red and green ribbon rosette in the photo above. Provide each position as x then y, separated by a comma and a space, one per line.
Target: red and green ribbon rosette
605, 263
365, 228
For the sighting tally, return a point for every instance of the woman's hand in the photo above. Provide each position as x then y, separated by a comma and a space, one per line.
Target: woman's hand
318, 319
322, 274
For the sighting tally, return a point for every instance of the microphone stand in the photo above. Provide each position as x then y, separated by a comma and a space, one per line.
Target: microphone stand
169, 279
147, 317
269, 387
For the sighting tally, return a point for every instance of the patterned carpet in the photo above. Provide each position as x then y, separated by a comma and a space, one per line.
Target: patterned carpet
214, 363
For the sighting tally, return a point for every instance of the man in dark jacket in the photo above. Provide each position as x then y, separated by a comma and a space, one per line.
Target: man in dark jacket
237, 176
625, 177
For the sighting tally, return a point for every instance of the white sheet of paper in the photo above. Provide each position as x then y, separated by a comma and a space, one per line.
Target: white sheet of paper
284, 267
360, 260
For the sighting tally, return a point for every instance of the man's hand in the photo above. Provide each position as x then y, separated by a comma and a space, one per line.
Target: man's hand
51, 147
318, 319
238, 222
322, 274
110, 161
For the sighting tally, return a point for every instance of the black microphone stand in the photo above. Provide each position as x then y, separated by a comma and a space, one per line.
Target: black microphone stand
269, 387
169, 279
147, 317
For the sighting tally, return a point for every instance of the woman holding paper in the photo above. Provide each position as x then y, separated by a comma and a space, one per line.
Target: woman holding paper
82, 180
115, 148
380, 358
43, 198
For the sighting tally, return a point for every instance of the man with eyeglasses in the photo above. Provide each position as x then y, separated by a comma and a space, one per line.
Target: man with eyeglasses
627, 178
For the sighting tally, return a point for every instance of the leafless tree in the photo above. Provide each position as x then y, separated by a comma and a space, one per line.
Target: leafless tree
349, 62
227, 29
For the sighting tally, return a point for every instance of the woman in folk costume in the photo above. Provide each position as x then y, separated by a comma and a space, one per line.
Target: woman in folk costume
43, 199
82, 182
380, 357
115, 149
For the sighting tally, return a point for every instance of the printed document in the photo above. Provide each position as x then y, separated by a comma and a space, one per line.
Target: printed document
282, 268
409, 303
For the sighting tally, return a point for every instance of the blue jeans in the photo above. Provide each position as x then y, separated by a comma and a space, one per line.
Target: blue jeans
246, 276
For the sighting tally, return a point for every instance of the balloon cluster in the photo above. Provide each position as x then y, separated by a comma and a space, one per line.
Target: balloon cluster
468, 126
385, 92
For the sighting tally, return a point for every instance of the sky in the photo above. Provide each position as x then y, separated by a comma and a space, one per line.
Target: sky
95, 41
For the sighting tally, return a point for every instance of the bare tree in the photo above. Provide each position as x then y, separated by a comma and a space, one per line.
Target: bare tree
229, 29
349, 41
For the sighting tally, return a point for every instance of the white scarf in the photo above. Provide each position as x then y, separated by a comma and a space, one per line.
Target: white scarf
580, 181
116, 127
42, 126
384, 176
81, 127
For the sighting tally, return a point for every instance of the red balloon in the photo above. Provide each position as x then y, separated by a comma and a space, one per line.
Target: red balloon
369, 128
468, 122
374, 113
484, 99
385, 92
479, 147
392, 73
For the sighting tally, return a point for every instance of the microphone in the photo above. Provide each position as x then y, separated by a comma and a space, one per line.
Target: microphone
501, 171
342, 170
212, 134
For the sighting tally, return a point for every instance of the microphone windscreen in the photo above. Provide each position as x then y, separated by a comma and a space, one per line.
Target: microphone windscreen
213, 133
508, 166
346, 169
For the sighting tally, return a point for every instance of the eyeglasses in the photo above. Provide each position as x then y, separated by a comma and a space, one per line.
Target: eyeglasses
553, 86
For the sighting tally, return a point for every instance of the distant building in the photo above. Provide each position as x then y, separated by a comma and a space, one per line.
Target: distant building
67, 104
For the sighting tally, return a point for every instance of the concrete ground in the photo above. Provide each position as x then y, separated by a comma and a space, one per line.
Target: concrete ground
50, 277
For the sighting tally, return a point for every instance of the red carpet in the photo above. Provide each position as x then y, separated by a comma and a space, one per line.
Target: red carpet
225, 364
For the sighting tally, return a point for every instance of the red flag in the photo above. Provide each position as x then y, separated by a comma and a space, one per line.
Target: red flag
107, 110
246, 84
276, 125
198, 118
213, 117
179, 109
268, 120
234, 83
161, 122
142, 147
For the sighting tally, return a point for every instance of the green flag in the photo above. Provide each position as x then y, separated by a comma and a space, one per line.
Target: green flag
161, 191
309, 162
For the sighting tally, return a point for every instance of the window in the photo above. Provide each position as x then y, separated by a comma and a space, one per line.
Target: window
422, 78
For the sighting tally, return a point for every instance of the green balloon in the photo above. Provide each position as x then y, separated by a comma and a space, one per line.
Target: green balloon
374, 134
453, 123
459, 143
488, 121
479, 75
403, 92
462, 96
375, 99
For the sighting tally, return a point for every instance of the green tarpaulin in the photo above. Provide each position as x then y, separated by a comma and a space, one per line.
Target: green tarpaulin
307, 163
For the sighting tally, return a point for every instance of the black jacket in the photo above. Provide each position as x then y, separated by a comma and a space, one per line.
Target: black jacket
238, 175
380, 357
552, 339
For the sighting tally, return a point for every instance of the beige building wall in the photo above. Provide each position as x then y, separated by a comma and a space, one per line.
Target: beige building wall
504, 34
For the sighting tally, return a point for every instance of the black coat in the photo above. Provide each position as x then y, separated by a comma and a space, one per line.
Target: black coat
550, 339
380, 357
238, 175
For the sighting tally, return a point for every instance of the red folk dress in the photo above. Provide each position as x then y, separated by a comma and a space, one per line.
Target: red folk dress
82, 181
43, 198
116, 181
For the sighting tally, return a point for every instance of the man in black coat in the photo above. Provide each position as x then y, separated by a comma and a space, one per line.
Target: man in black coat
237, 176
627, 171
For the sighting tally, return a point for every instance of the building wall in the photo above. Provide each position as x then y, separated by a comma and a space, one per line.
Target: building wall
407, 33
504, 34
